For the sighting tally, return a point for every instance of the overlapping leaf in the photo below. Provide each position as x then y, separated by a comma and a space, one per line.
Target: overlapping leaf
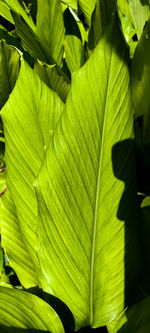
141, 80
70, 3
5, 12
50, 28
20, 8
19, 309
74, 49
87, 7
136, 11
88, 228
101, 17
140, 12
53, 79
28, 117
14, 245
9, 70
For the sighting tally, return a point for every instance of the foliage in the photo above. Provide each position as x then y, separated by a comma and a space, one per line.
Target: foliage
74, 180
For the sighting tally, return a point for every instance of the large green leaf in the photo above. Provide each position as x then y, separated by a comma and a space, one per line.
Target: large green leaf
13, 243
29, 116
9, 69
141, 80
87, 226
136, 319
19, 309
50, 28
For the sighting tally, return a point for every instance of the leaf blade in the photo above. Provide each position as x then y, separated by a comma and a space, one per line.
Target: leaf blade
73, 198
14, 245
20, 309
50, 28
28, 121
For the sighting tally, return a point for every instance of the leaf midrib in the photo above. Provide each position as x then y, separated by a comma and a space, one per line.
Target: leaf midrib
98, 195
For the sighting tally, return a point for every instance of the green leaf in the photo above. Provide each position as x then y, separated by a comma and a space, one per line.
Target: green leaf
145, 246
140, 12
87, 7
74, 53
84, 230
136, 11
9, 68
127, 24
70, 3
5, 12
32, 8
50, 28
136, 319
30, 40
101, 17
19, 309
141, 80
13, 244
29, 116
74, 49
2, 180
20, 8
53, 79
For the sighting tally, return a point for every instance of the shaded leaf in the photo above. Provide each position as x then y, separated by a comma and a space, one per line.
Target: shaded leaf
50, 28
101, 17
136, 319
9, 70
141, 80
